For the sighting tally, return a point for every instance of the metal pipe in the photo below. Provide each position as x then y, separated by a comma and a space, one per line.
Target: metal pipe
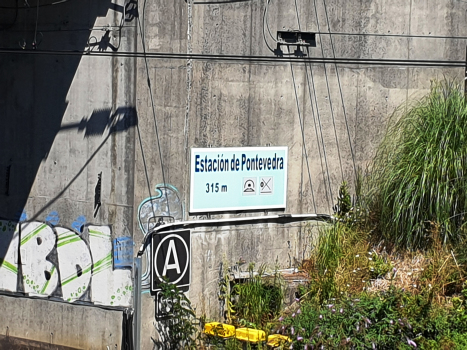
137, 305
282, 218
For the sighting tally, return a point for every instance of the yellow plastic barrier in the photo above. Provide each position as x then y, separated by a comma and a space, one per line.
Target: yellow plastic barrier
250, 335
219, 329
277, 340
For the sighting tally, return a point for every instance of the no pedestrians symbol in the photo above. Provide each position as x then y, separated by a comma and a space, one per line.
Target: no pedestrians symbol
170, 252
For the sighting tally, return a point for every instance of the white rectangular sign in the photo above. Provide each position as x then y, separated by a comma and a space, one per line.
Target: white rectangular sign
244, 178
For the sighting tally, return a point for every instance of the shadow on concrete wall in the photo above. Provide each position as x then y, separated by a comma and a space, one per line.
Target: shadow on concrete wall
33, 93
102, 120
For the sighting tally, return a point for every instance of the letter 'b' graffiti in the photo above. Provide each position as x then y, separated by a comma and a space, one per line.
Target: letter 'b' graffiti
57, 261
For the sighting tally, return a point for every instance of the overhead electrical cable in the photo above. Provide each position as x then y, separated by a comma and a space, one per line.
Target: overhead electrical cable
340, 90
34, 43
302, 127
303, 136
145, 277
246, 58
153, 108
329, 98
29, 7
320, 132
264, 25
315, 124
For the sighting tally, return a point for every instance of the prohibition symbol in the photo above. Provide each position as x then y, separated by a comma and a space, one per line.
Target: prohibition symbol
170, 259
266, 185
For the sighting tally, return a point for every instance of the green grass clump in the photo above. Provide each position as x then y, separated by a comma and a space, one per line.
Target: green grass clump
258, 299
418, 176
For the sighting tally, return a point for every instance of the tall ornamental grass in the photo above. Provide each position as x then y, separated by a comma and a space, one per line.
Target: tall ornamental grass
418, 175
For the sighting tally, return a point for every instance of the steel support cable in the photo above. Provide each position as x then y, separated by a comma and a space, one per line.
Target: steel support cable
314, 121
303, 135
340, 90
329, 96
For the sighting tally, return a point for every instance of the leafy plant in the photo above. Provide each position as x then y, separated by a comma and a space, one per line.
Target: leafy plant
177, 328
225, 296
393, 319
379, 265
418, 175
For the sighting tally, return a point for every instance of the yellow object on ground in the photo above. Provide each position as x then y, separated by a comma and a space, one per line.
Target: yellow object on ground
278, 339
250, 335
219, 329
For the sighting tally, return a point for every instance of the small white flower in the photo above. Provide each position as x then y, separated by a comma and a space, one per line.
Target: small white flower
357, 255
370, 259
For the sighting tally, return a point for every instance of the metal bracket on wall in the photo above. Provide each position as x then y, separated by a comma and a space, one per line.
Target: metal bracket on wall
294, 38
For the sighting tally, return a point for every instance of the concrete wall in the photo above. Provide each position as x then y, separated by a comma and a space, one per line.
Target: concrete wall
66, 119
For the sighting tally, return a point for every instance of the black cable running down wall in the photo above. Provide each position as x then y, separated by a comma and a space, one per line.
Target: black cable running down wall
127, 330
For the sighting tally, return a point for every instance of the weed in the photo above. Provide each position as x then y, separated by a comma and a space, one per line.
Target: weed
418, 174
259, 299
178, 328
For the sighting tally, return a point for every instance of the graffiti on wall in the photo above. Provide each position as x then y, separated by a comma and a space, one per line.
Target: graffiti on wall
165, 206
43, 259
